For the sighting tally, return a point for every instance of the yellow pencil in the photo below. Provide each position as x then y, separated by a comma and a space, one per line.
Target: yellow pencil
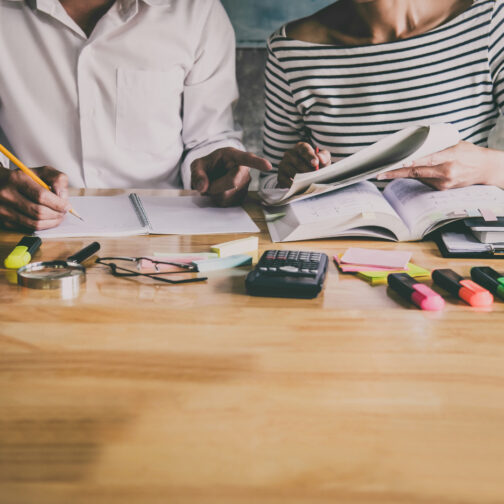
31, 174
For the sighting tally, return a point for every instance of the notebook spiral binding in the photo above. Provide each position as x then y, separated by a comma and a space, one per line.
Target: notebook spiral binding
139, 210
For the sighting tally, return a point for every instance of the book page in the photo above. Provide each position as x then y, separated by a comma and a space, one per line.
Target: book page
345, 212
386, 154
103, 216
424, 209
187, 215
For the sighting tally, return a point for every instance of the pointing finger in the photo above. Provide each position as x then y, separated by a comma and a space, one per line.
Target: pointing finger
247, 159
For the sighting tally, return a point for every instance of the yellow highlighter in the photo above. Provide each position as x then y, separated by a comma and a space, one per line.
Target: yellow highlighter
23, 252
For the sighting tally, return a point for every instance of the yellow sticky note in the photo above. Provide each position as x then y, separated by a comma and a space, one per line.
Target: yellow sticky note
379, 277
248, 246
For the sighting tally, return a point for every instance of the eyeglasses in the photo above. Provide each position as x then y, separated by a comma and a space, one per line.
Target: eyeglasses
122, 272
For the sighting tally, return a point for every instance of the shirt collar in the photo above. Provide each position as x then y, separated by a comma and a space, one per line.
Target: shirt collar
125, 4
126, 8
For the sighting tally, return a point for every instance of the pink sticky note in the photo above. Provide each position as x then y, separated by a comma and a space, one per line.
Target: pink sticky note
356, 268
376, 258
487, 215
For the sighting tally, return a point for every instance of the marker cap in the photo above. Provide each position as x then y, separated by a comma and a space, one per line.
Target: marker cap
426, 298
17, 258
474, 294
23, 252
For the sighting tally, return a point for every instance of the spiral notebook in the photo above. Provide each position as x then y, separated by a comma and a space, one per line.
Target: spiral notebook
127, 215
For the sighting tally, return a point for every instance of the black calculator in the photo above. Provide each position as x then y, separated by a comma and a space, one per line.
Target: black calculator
288, 273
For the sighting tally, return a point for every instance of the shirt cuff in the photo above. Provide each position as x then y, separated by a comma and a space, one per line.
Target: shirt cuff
4, 161
204, 150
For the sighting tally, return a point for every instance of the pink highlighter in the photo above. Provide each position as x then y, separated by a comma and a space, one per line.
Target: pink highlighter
420, 294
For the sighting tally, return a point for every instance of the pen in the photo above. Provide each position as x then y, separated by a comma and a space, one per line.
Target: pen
420, 294
23, 252
489, 278
465, 289
31, 174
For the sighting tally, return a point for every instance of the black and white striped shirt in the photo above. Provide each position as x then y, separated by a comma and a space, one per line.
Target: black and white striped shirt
343, 98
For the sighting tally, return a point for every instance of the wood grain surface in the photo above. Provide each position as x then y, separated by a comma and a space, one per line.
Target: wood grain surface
136, 392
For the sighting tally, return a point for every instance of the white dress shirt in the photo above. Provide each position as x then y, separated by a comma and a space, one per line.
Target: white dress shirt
132, 105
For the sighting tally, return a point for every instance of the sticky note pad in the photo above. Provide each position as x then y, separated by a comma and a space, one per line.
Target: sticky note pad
181, 256
376, 258
355, 268
379, 277
223, 262
247, 246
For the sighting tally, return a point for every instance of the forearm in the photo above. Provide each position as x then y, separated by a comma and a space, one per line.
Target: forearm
493, 169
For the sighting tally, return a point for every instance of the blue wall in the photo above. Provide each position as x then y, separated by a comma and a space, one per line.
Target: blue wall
255, 20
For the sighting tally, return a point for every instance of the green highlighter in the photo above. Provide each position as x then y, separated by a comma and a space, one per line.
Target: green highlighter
489, 278
23, 252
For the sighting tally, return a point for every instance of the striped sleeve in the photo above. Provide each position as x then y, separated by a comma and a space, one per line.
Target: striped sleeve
283, 124
496, 52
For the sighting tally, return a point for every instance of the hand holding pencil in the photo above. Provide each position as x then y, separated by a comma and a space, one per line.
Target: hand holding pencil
32, 199
302, 158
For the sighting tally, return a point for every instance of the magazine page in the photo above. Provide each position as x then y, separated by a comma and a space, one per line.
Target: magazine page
425, 209
358, 210
387, 154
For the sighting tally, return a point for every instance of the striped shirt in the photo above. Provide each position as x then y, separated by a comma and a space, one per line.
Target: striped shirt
343, 98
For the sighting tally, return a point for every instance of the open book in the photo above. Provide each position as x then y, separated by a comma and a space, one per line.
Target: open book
127, 215
407, 210
387, 154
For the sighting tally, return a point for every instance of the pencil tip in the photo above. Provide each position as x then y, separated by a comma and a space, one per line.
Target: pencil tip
73, 212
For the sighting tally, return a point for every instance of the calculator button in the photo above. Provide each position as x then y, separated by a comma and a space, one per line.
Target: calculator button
288, 269
272, 269
262, 268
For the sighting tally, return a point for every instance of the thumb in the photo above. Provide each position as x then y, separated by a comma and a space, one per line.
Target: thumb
199, 176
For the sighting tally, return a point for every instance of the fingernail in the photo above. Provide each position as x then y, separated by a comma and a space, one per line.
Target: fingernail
315, 163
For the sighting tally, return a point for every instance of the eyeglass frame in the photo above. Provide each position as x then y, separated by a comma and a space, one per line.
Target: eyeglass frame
189, 268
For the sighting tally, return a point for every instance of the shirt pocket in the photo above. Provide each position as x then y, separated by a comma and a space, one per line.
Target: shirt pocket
148, 114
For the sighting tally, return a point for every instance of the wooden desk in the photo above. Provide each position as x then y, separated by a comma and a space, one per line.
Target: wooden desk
140, 393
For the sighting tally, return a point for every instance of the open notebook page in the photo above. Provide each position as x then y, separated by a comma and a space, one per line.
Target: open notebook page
194, 215
421, 207
103, 216
336, 214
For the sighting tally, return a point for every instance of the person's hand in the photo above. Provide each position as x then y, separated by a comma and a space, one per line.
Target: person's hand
24, 204
301, 159
224, 174
462, 165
